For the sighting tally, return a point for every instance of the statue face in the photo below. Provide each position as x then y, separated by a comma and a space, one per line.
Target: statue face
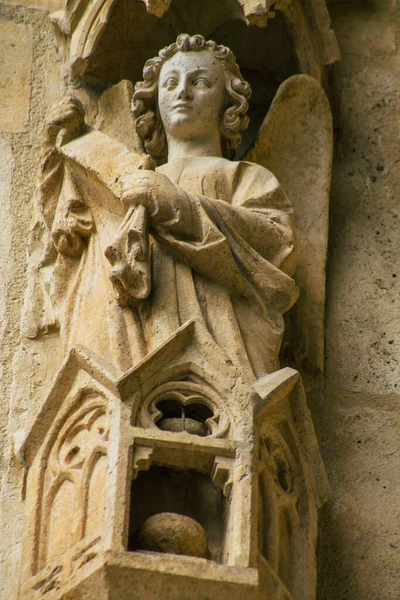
192, 95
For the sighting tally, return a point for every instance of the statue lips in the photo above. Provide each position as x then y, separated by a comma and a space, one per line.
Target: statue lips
182, 106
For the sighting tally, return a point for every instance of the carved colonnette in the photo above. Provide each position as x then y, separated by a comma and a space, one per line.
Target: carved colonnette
172, 457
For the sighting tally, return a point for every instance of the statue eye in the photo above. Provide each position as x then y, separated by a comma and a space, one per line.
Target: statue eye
202, 82
170, 83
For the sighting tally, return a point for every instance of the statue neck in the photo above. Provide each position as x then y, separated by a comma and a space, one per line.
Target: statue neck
193, 148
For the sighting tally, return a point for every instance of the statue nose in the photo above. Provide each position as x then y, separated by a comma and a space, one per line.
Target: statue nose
184, 92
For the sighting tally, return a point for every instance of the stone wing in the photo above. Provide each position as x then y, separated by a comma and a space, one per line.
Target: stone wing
295, 143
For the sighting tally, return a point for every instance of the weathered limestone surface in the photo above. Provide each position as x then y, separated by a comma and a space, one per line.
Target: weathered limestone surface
19, 160
15, 75
360, 418
6, 172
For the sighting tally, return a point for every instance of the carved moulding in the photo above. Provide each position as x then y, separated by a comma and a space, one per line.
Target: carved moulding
182, 399
99, 469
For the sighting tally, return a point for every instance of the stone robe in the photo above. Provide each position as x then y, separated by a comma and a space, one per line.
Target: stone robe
224, 259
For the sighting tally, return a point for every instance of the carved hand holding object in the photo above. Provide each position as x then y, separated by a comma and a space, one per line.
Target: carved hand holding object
130, 257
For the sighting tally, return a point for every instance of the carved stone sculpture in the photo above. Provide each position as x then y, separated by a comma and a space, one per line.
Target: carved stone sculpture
171, 451
221, 248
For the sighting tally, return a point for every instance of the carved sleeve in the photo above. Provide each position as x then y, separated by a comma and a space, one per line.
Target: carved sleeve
246, 246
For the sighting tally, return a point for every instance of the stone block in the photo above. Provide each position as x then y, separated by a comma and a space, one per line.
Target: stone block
15, 76
365, 29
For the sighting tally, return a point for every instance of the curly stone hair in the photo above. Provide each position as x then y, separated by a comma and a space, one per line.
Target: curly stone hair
145, 98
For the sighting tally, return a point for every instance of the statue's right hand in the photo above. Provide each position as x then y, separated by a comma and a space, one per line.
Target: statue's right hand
65, 121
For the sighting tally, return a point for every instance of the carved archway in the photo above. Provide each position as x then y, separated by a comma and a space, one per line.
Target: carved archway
112, 39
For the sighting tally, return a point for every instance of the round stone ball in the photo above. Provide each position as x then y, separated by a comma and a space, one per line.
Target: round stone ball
174, 534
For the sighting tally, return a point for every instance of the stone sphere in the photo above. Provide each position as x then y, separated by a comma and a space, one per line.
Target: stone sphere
178, 425
175, 534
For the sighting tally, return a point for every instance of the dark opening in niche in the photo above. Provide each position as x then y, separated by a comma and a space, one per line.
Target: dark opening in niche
177, 417
176, 511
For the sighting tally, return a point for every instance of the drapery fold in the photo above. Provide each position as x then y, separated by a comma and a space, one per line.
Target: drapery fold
225, 257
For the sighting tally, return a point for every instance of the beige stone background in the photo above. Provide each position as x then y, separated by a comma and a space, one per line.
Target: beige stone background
358, 421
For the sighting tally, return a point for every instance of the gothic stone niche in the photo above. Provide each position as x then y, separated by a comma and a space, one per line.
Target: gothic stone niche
183, 458
140, 508
272, 40
161, 495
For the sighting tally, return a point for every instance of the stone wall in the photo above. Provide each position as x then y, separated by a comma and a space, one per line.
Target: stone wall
29, 82
358, 420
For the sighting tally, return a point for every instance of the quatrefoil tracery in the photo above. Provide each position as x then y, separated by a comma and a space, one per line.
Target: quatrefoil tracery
184, 407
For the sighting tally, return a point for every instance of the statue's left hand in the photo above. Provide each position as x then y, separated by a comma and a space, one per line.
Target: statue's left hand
154, 191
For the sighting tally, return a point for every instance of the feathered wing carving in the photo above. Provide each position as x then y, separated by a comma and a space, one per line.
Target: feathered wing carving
295, 143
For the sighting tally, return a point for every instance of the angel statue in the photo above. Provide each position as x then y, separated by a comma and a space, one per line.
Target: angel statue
200, 236
162, 268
